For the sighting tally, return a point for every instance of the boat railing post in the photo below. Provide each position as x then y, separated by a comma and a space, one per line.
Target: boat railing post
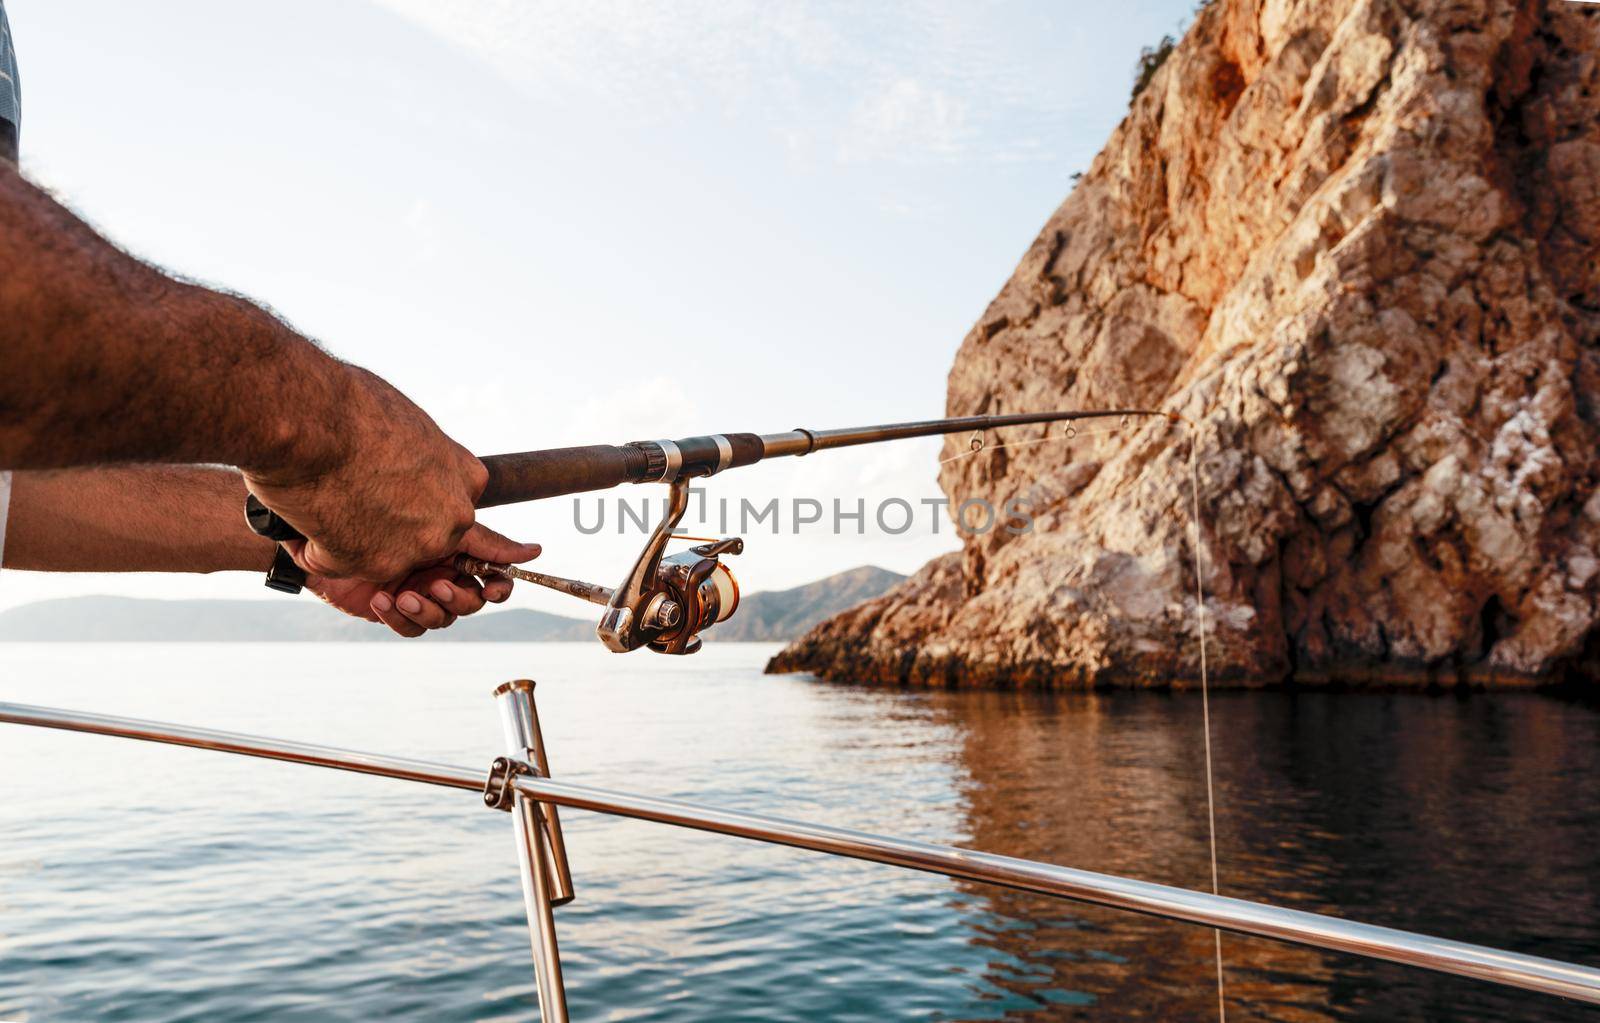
541, 853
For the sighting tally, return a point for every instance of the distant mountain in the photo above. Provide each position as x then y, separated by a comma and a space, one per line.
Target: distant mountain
777, 615
132, 619
788, 614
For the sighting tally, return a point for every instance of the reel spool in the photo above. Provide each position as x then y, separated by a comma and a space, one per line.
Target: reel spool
702, 588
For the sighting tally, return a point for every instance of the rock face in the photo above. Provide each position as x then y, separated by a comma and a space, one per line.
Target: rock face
1357, 244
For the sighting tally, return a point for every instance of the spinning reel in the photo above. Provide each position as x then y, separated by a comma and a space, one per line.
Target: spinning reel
666, 601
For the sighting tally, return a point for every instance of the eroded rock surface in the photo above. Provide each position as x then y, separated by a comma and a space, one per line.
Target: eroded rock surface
1355, 243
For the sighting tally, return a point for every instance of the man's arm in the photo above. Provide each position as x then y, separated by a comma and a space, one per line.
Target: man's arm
105, 359
110, 360
187, 519
146, 518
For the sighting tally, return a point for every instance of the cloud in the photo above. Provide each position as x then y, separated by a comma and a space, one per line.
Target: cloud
901, 80
623, 51
907, 118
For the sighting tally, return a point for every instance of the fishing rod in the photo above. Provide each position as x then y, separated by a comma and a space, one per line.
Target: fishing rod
665, 601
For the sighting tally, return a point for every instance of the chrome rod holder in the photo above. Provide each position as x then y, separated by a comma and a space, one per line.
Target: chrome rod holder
546, 880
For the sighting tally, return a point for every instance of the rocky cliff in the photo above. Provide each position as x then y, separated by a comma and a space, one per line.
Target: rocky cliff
1355, 243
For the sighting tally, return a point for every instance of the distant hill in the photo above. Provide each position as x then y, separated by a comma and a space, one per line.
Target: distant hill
132, 619
788, 614
777, 615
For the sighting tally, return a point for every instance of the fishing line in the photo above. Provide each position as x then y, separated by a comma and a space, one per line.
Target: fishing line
1205, 701
976, 446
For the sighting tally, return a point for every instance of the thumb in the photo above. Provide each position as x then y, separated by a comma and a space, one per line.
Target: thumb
311, 556
484, 543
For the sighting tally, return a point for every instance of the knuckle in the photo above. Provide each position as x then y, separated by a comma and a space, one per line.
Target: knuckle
439, 541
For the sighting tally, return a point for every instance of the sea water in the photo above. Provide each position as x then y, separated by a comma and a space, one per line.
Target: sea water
143, 882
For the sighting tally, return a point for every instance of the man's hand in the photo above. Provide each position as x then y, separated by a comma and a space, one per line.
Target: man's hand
430, 597
186, 519
401, 493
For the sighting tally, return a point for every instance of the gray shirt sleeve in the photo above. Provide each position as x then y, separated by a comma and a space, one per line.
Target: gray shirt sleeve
10, 118
10, 91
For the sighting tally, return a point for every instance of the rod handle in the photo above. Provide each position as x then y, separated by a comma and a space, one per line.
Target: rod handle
535, 475
513, 478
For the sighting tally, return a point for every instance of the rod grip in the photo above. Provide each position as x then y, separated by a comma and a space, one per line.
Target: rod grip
513, 478
534, 475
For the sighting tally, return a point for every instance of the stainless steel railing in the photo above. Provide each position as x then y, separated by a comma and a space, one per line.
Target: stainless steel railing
533, 795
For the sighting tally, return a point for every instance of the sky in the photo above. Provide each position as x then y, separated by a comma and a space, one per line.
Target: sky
595, 222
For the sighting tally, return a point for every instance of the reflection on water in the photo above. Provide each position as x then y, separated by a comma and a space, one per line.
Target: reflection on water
205, 887
1472, 818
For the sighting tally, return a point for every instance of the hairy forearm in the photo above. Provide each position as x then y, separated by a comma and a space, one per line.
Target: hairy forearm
132, 519
105, 359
